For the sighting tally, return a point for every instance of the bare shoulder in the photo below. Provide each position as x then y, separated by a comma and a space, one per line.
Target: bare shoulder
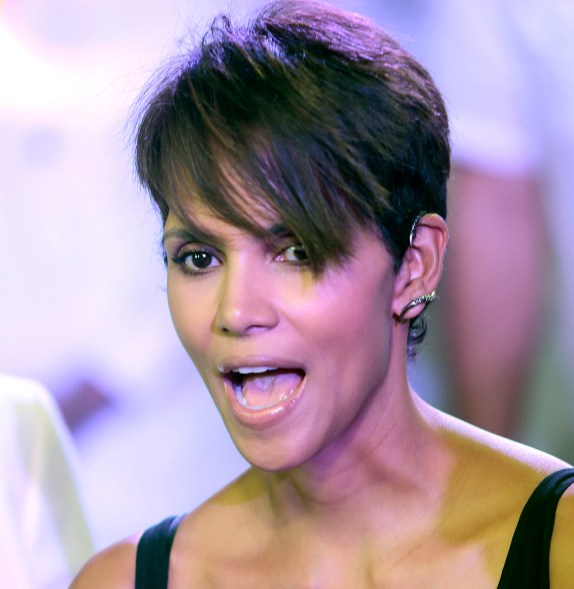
562, 546
239, 505
237, 511
495, 475
495, 454
112, 568
490, 481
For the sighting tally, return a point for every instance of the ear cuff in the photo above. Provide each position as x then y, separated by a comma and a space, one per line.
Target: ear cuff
426, 299
414, 226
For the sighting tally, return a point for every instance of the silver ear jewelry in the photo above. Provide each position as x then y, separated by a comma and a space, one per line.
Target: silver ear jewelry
426, 299
414, 226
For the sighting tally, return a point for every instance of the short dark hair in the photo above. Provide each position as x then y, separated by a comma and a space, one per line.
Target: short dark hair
326, 121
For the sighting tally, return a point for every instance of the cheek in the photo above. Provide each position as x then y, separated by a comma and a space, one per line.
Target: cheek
363, 307
352, 325
190, 318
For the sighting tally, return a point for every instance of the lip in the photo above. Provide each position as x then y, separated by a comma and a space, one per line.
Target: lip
266, 416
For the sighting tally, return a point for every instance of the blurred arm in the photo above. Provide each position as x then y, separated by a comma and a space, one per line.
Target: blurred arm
493, 293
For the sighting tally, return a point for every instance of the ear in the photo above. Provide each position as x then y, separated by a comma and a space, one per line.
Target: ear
422, 265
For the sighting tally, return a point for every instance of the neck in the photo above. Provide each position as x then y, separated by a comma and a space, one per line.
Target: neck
390, 462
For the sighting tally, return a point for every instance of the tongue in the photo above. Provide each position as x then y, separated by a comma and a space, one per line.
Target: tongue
268, 388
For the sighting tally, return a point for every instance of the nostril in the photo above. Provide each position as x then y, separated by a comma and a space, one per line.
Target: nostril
255, 316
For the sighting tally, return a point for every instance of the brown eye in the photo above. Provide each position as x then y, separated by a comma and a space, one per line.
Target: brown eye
196, 261
295, 253
199, 260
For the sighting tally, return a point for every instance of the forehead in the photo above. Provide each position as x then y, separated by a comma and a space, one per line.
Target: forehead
200, 224
232, 204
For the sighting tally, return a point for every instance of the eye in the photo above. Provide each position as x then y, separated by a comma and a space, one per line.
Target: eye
294, 254
195, 261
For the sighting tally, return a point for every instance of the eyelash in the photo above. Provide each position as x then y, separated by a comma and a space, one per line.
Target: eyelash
180, 259
296, 247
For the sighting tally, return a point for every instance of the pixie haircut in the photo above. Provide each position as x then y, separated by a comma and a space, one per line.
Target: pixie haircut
324, 122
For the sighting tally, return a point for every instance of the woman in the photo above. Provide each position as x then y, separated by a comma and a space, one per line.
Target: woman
300, 167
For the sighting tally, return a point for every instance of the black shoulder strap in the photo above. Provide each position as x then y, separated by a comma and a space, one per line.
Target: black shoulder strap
152, 557
527, 564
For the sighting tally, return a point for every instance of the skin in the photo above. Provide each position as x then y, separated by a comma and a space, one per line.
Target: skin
360, 484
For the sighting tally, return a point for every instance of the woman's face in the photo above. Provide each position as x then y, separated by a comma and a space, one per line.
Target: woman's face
290, 358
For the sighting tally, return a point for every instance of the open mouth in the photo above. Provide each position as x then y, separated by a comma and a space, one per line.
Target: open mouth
261, 387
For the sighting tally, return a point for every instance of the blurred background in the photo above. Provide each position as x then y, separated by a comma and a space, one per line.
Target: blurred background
82, 285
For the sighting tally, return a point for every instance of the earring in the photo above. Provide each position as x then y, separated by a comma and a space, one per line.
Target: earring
426, 299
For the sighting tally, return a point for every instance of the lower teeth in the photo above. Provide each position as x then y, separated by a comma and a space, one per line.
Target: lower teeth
243, 401
263, 390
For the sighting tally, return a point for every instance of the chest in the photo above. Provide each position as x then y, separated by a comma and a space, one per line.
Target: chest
433, 564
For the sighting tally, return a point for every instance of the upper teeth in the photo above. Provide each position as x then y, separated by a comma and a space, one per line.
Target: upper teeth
253, 369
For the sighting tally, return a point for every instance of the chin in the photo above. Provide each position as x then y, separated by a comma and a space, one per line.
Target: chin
271, 455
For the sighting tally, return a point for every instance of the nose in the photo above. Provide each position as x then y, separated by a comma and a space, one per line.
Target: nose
246, 303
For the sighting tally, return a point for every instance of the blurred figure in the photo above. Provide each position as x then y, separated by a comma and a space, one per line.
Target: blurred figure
506, 69
44, 537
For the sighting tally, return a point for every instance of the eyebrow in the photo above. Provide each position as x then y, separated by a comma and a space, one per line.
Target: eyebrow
199, 235
278, 230
195, 234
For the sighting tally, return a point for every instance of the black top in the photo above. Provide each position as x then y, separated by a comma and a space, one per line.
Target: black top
152, 558
527, 563
526, 566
